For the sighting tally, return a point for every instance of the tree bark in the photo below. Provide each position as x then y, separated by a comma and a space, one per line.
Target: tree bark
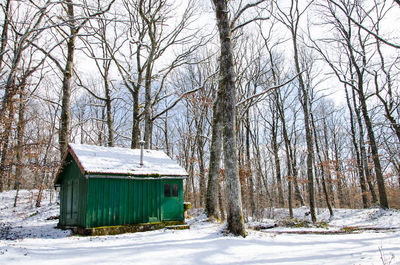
375, 154
202, 180
235, 221
309, 140
4, 167
275, 150
148, 109
215, 160
135, 136
357, 152
321, 166
327, 163
110, 125
20, 145
66, 84
248, 165
4, 32
370, 132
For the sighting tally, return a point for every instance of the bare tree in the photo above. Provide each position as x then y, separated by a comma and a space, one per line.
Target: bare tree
357, 53
19, 63
291, 21
227, 101
74, 24
100, 40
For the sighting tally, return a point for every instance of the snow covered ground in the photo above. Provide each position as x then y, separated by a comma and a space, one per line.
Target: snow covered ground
28, 236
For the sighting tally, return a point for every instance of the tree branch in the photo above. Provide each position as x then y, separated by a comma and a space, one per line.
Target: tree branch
397, 46
248, 22
176, 102
242, 10
267, 90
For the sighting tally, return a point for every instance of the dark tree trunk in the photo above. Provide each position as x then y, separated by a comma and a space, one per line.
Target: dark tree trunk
321, 166
309, 140
221, 202
20, 145
202, 180
327, 163
275, 150
135, 123
375, 155
110, 127
360, 169
370, 132
248, 167
363, 151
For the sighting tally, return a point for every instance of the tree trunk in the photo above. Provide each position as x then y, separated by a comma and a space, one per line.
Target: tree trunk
202, 180
260, 172
235, 222
321, 166
295, 174
357, 152
221, 201
370, 132
20, 145
110, 127
148, 110
66, 84
248, 165
363, 152
215, 161
327, 163
4, 32
135, 123
309, 141
275, 150
4, 167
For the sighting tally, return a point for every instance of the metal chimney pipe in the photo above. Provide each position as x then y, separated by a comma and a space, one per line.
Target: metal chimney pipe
141, 143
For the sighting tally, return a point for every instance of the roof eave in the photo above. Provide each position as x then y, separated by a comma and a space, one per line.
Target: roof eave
94, 174
74, 156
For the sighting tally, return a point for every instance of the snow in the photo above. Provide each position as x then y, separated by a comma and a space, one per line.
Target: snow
34, 240
343, 218
117, 160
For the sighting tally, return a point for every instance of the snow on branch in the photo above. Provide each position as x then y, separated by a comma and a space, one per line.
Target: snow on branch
182, 96
242, 10
266, 91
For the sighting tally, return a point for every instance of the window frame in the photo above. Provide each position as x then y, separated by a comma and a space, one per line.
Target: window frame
174, 190
167, 190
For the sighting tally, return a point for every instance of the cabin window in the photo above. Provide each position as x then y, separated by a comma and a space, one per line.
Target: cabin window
167, 190
174, 190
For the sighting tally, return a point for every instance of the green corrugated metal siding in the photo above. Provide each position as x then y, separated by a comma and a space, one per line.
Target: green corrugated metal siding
72, 195
83, 187
113, 201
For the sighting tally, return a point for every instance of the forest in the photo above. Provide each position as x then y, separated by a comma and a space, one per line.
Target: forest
266, 103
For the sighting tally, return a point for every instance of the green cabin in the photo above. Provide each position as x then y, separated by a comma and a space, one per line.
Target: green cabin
112, 186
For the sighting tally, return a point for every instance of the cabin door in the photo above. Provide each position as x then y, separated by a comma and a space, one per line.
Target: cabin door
72, 193
171, 200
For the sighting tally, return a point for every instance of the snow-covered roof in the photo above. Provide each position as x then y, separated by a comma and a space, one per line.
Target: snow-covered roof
123, 161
